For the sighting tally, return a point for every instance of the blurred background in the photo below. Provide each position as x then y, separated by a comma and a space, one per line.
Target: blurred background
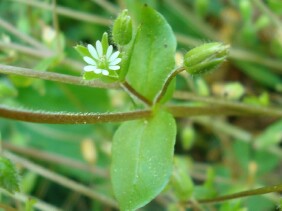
218, 155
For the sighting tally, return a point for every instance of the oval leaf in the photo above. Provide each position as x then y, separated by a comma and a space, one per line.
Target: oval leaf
142, 156
152, 57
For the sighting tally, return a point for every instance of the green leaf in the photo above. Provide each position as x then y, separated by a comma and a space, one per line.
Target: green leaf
9, 178
142, 156
271, 136
152, 57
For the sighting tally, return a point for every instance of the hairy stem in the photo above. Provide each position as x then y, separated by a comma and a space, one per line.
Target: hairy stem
69, 12
258, 191
94, 118
168, 80
57, 77
70, 118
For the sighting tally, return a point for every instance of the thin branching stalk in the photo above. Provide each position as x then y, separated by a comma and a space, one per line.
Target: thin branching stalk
235, 132
258, 191
69, 12
56, 26
24, 37
188, 15
168, 80
107, 6
272, 17
240, 107
20, 197
55, 159
27, 50
132, 92
64, 181
57, 77
72, 64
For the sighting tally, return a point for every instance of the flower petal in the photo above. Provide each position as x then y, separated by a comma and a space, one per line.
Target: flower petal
89, 68
92, 51
114, 56
116, 61
89, 60
105, 72
99, 48
97, 71
109, 51
114, 67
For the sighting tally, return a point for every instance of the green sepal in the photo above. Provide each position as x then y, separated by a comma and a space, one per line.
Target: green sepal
205, 58
105, 42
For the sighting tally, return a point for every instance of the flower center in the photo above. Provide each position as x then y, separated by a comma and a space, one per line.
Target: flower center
103, 63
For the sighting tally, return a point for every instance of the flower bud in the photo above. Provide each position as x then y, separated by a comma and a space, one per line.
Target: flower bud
122, 29
205, 58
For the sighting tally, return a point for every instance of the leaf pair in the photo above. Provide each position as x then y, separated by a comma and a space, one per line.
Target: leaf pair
143, 149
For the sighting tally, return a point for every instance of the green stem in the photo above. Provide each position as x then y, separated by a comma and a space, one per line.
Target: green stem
64, 181
188, 15
27, 50
129, 89
57, 77
168, 80
41, 54
258, 191
240, 107
107, 6
233, 131
69, 12
20, 197
56, 26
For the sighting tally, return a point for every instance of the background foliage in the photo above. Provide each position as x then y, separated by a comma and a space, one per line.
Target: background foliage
214, 155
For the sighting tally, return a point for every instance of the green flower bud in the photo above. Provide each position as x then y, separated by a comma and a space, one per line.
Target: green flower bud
122, 29
205, 58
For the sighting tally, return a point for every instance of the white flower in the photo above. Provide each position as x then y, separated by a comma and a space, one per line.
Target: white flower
101, 63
